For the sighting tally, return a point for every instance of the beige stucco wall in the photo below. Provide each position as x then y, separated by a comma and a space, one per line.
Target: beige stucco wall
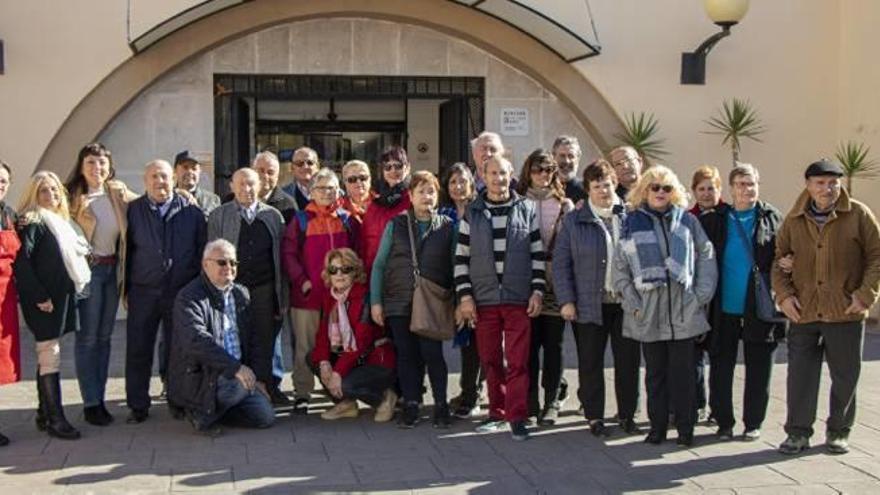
808, 65
177, 112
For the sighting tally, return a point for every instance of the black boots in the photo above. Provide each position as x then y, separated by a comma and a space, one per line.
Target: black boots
51, 412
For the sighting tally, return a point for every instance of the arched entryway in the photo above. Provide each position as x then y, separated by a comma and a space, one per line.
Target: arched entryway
513, 47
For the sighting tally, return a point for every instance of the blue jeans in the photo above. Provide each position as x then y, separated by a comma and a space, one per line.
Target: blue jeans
97, 315
237, 406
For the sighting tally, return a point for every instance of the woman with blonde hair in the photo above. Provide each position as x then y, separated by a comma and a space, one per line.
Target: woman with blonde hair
665, 271
356, 180
352, 356
50, 271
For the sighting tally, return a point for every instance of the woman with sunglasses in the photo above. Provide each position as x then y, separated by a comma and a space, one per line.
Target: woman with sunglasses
356, 180
459, 189
352, 357
99, 205
314, 231
51, 269
391, 198
539, 181
664, 269
392, 288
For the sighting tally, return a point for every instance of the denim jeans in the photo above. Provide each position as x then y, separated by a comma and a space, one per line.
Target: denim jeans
97, 315
237, 406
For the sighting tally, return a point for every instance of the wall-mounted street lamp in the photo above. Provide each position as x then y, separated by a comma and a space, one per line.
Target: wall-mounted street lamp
724, 13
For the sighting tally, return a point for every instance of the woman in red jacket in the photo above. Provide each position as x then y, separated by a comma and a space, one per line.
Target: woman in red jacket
392, 198
352, 356
10, 363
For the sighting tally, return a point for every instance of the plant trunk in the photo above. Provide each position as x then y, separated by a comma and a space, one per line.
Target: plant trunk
735, 153
849, 180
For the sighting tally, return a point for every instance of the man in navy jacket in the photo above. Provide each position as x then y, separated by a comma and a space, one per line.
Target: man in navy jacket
165, 238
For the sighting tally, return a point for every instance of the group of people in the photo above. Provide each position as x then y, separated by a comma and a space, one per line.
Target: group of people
611, 251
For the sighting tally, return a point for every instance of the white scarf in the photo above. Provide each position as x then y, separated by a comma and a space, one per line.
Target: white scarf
73, 247
611, 238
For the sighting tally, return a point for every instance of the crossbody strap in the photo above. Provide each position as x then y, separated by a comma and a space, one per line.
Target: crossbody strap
412, 245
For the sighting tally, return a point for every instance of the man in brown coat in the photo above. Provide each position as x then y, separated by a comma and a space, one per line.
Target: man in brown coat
834, 241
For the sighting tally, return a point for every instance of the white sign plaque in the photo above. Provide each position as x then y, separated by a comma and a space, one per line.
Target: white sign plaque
515, 121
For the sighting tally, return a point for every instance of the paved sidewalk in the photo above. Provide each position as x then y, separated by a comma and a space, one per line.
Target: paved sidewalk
307, 455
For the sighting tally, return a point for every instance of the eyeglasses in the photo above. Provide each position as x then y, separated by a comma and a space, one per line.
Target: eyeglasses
222, 262
389, 166
549, 169
345, 269
665, 187
354, 179
303, 163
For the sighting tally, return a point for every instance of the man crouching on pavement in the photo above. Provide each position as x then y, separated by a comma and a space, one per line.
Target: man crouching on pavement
212, 348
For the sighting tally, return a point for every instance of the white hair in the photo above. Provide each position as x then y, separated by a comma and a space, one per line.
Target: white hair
486, 136
324, 174
218, 245
157, 163
267, 156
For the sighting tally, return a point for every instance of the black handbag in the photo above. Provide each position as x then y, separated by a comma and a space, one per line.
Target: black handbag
765, 305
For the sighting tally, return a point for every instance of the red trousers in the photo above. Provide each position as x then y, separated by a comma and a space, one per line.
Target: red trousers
503, 334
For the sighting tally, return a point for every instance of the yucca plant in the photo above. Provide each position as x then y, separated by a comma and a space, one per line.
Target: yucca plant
853, 157
736, 120
640, 131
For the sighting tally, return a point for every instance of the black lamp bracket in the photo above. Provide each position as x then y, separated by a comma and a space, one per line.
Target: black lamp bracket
693, 64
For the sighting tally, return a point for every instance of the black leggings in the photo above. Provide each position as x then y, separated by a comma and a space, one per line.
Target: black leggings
414, 354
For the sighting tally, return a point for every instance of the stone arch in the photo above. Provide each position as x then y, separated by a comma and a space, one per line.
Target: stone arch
122, 86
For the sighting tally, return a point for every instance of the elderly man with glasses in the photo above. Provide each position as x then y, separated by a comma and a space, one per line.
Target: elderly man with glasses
304, 165
214, 346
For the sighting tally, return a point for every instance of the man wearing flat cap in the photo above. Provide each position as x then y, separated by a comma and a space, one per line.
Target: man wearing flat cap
187, 172
834, 242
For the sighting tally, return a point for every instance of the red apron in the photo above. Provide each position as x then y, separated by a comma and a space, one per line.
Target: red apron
10, 359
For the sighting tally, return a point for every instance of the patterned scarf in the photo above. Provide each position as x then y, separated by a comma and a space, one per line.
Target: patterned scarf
641, 245
339, 328
389, 196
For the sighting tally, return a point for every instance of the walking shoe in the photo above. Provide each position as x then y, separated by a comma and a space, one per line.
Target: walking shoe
598, 428
655, 437
549, 415
137, 416
836, 443
301, 406
93, 416
410, 417
630, 427
343, 409
702, 415
562, 396
751, 435
385, 411
794, 444
466, 411
685, 439
724, 434
104, 412
4, 440
442, 419
279, 398
490, 426
210, 431
518, 431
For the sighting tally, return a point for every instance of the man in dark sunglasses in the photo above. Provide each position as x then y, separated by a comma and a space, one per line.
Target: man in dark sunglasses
304, 164
213, 349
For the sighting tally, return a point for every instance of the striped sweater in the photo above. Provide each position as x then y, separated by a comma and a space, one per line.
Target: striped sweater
499, 214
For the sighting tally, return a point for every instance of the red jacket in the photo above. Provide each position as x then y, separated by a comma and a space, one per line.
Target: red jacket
375, 220
365, 333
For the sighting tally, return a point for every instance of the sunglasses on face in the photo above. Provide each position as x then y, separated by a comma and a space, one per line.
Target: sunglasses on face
222, 262
354, 179
388, 167
345, 269
549, 169
665, 187
304, 163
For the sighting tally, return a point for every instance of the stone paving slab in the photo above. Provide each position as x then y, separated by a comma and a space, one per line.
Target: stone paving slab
303, 454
